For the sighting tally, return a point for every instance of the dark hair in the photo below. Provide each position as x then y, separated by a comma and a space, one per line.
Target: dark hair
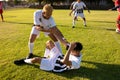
78, 47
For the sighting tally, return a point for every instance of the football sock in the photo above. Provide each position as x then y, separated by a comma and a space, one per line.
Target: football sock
30, 45
28, 61
84, 22
73, 22
58, 46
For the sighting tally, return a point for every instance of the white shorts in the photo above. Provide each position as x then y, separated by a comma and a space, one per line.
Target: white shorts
79, 14
37, 32
46, 64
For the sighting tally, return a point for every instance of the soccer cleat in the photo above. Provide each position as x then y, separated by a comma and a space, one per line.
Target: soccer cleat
29, 56
118, 31
73, 26
19, 62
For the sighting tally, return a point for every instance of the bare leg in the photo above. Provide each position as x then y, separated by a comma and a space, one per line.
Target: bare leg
33, 60
36, 60
74, 21
2, 17
55, 41
84, 21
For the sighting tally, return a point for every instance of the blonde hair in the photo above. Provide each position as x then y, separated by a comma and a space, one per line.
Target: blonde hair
48, 8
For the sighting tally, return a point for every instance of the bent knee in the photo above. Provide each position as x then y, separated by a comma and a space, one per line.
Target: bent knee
118, 21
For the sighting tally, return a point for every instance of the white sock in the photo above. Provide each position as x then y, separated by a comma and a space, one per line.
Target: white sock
30, 45
58, 46
84, 22
73, 22
28, 61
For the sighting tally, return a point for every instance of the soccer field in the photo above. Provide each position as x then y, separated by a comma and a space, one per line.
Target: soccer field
101, 52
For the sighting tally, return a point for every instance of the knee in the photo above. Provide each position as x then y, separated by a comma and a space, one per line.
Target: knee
35, 60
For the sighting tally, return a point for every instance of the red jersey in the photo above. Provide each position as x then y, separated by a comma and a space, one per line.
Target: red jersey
117, 3
1, 5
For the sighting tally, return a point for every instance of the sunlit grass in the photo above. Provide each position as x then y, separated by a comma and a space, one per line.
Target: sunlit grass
100, 54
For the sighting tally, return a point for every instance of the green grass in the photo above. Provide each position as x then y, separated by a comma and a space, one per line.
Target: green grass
101, 53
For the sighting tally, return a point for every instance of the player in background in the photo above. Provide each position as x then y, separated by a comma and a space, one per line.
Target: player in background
43, 21
117, 6
78, 7
1, 11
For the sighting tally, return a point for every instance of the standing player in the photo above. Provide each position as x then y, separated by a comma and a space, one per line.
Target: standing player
117, 6
43, 21
78, 7
1, 11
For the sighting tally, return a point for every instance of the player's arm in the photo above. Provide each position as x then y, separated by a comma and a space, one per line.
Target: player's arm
66, 57
87, 9
57, 33
71, 12
71, 6
73, 9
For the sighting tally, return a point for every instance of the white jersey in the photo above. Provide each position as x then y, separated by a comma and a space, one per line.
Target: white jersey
79, 7
75, 61
40, 20
73, 3
49, 63
60, 67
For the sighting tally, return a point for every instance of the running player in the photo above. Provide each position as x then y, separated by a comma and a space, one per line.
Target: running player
117, 6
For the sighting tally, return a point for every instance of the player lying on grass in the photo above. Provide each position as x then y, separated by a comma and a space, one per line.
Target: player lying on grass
53, 60
117, 6
43, 21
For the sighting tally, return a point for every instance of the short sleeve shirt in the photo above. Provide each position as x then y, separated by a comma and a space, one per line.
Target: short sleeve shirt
40, 20
75, 61
79, 6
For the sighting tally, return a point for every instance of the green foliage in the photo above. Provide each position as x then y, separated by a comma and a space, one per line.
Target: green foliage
101, 52
17, 2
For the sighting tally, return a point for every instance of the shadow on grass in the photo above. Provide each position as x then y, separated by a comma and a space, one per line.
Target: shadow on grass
76, 27
102, 21
101, 72
18, 23
111, 29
